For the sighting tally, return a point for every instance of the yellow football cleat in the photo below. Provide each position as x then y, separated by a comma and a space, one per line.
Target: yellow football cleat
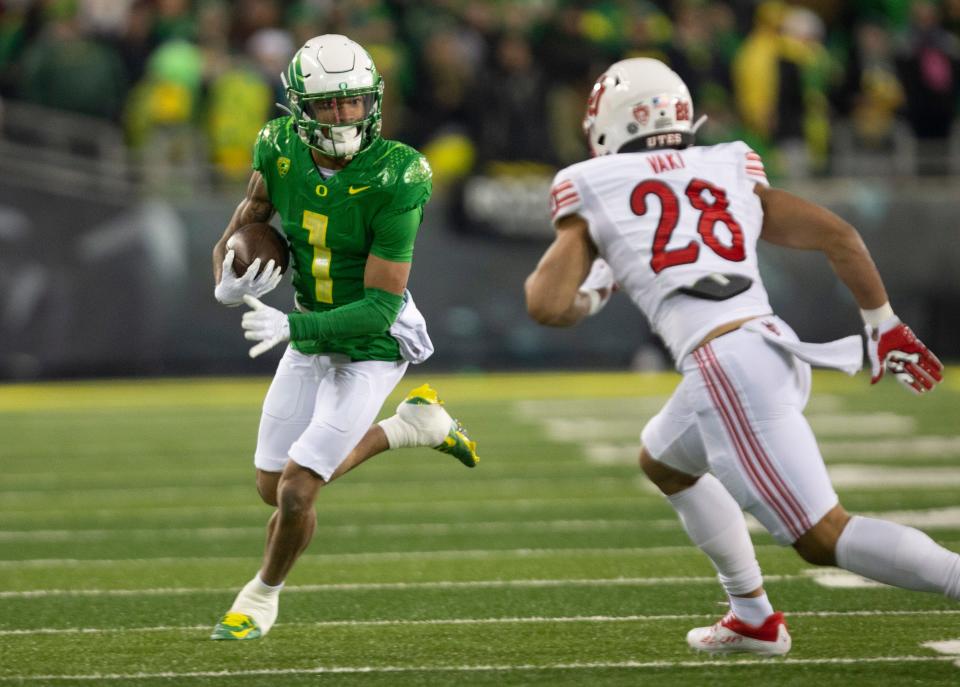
423, 409
236, 626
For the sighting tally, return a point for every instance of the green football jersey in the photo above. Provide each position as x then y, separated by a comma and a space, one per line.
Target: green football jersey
374, 205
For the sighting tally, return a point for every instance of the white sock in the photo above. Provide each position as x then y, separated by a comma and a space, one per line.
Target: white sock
267, 588
715, 523
400, 434
752, 610
417, 425
898, 555
260, 601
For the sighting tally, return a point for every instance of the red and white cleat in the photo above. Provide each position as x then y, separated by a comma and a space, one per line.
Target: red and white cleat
731, 635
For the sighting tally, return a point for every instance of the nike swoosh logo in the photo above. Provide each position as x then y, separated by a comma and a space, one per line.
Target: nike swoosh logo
240, 634
353, 190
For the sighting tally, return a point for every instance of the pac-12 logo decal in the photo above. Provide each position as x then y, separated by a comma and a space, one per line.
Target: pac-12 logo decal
283, 166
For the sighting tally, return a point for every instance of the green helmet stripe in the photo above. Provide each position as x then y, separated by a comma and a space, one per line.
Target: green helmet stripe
295, 74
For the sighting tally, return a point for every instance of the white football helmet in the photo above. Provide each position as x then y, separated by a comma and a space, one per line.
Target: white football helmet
639, 99
328, 74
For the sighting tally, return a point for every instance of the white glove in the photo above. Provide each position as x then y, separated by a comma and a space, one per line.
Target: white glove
267, 325
231, 289
598, 286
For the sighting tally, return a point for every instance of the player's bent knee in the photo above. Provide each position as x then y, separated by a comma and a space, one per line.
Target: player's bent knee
268, 495
297, 491
818, 545
815, 552
668, 480
293, 500
267, 483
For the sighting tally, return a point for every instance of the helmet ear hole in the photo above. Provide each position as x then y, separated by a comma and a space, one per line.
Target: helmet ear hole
602, 139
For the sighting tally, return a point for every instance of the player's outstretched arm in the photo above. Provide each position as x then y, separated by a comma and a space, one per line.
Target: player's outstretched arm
553, 289
891, 346
796, 223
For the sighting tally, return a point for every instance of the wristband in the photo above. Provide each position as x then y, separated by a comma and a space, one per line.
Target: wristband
596, 300
877, 316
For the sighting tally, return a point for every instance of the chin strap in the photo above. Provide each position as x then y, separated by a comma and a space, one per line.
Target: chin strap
333, 141
697, 124
338, 138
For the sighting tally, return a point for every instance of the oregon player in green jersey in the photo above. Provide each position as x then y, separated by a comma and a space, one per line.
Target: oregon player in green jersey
350, 204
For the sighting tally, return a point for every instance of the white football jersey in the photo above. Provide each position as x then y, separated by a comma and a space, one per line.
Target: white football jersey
664, 219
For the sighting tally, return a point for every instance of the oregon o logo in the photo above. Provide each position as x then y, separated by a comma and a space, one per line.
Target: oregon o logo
320, 190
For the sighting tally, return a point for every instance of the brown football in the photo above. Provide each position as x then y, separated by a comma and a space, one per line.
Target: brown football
258, 240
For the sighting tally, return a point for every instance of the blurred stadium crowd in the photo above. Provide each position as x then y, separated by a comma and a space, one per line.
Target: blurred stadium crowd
476, 83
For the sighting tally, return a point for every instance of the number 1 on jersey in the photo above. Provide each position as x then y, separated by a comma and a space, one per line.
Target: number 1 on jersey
710, 214
316, 226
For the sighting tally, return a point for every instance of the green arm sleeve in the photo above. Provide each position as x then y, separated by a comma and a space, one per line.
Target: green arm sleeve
372, 314
395, 234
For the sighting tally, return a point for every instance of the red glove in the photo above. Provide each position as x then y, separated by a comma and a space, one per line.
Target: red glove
892, 346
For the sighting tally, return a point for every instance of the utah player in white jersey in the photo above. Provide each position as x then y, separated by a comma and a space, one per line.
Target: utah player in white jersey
675, 226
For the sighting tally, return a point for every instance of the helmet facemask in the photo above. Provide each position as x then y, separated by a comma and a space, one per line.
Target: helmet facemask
337, 113
337, 125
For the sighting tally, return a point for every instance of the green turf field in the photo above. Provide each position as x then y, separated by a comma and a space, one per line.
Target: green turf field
128, 520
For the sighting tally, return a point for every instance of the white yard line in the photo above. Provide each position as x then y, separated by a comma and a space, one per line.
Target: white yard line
893, 448
875, 477
632, 665
385, 556
631, 406
625, 452
510, 620
834, 578
375, 586
385, 473
861, 424
607, 431
627, 408
609, 453
951, 647
498, 503
382, 556
592, 428
928, 519
504, 487
423, 528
